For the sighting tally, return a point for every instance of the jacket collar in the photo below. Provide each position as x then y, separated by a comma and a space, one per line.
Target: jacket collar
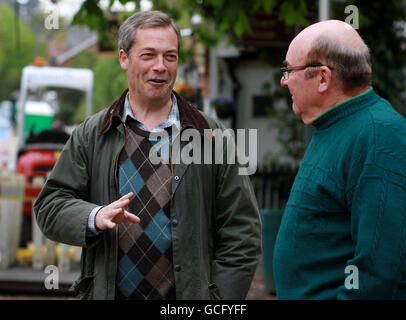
190, 117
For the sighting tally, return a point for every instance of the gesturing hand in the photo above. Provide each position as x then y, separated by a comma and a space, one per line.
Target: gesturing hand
109, 216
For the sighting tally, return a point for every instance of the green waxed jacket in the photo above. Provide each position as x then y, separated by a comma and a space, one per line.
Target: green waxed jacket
215, 221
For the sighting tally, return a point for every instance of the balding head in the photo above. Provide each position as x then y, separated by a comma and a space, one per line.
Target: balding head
336, 31
336, 44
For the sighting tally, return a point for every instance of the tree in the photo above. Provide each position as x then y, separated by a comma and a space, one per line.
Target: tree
13, 55
219, 16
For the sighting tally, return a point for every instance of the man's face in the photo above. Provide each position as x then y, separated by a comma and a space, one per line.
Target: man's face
152, 64
302, 90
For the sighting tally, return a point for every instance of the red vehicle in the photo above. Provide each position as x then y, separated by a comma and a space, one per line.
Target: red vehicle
36, 159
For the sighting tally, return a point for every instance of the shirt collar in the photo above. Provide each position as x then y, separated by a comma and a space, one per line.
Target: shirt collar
173, 118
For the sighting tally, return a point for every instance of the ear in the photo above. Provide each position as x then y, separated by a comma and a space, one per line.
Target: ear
325, 79
123, 60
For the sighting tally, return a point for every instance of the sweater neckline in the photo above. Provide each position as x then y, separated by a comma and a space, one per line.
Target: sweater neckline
345, 109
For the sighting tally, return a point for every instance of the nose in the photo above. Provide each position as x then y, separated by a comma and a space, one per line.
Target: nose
283, 82
159, 65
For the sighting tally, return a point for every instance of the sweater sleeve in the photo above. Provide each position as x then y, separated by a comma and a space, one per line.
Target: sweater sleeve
378, 230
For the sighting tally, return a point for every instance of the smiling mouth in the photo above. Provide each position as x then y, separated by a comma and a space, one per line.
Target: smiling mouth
158, 81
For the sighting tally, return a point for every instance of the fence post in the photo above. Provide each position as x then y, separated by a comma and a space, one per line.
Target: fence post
11, 201
39, 252
38, 246
64, 258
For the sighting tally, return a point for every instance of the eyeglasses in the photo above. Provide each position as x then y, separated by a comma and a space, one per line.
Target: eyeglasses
285, 70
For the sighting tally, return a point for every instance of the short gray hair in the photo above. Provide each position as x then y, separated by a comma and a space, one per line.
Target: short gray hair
144, 19
352, 67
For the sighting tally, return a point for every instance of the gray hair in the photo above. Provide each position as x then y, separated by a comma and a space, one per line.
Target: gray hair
144, 19
352, 67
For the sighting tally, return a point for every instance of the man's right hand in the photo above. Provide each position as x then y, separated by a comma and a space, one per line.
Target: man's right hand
109, 216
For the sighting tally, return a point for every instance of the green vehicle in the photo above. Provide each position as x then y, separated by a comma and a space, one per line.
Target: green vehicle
39, 116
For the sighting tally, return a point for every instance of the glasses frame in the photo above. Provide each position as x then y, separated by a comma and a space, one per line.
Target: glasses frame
286, 70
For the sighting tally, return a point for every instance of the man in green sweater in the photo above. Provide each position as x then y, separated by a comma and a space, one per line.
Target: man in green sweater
343, 232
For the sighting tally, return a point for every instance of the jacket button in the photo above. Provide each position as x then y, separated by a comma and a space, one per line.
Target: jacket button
176, 178
177, 268
174, 222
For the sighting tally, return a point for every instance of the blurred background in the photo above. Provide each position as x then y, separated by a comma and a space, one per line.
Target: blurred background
59, 64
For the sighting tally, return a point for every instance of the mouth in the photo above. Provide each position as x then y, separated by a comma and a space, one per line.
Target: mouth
157, 81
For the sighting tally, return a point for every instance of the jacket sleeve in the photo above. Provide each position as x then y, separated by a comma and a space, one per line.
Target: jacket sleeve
378, 230
238, 236
62, 209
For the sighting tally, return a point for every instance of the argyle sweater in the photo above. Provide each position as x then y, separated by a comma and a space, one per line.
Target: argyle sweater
343, 232
145, 268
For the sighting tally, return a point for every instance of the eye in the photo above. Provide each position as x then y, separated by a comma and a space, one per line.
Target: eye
147, 55
171, 57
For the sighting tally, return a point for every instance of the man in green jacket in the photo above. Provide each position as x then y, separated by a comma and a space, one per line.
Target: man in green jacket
343, 233
165, 229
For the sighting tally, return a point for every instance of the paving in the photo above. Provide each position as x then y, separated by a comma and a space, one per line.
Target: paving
21, 283
258, 290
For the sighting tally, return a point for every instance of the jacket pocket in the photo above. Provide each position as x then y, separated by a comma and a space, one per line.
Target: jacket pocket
82, 287
214, 292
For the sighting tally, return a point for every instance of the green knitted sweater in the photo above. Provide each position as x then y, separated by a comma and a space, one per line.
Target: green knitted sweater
343, 232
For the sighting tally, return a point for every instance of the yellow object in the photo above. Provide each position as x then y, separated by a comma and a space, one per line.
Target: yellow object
25, 254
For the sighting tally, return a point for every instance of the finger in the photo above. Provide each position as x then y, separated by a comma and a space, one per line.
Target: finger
131, 217
121, 204
117, 215
127, 196
123, 201
110, 224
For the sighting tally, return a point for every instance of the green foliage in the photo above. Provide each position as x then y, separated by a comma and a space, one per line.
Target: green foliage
110, 82
91, 15
220, 17
293, 12
15, 52
86, 59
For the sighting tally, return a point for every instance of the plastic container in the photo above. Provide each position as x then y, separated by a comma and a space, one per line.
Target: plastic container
12, 188
271, 220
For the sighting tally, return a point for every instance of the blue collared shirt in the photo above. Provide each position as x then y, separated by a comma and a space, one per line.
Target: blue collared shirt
173, 118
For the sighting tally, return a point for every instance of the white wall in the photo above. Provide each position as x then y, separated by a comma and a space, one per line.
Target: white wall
252, 76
